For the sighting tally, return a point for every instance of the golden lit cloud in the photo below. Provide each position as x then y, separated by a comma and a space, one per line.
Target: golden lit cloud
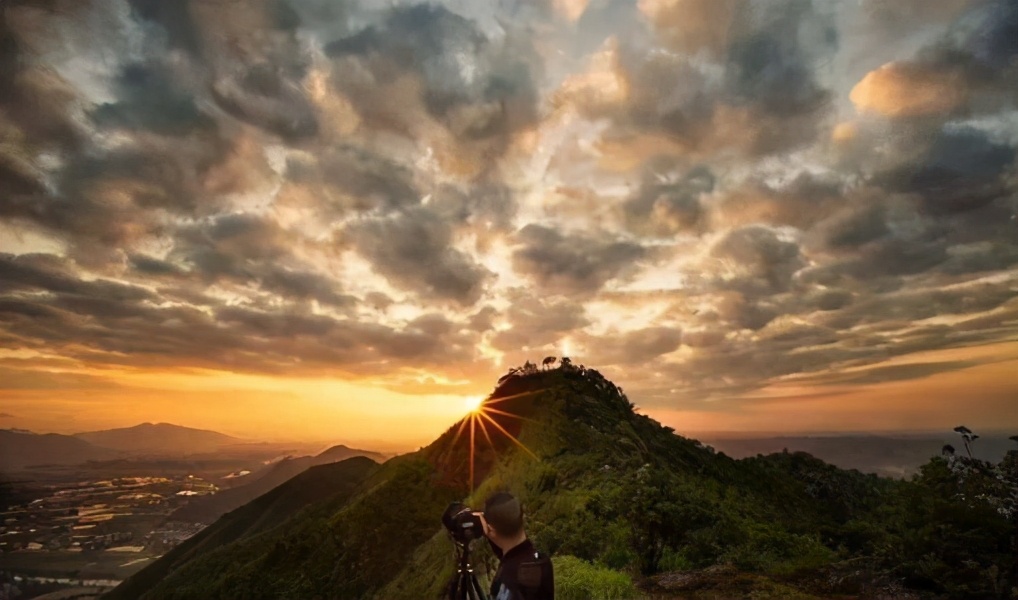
340, 224
900, 89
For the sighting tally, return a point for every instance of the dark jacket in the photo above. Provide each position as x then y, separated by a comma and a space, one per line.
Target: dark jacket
523, 574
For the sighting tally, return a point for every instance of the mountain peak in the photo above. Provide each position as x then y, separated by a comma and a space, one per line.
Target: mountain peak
161, 438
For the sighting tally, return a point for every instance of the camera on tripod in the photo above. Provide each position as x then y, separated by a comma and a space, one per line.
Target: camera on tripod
461, 521
465, 526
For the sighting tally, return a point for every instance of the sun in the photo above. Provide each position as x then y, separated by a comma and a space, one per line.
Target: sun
473, 403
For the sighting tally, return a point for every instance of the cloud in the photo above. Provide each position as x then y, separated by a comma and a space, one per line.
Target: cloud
6, 415
572, 263
767, 98
889, 373
962, 170
760, 259
150, 99
263, 95
428, 73
708, 197
638, 346
663, 208
691, 26
909, 90
535, 323
969, 70
414, 251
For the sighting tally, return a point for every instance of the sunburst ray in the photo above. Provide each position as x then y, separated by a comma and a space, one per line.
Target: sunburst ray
509, 435
506, 414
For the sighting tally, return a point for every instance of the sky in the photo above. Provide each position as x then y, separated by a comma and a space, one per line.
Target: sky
339, 220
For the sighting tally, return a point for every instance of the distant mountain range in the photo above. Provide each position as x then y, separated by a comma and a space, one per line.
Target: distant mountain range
887, 455
207, 509
21, 449
158, 438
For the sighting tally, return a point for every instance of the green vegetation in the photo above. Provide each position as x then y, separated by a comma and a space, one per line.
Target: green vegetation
616, 498
579, 580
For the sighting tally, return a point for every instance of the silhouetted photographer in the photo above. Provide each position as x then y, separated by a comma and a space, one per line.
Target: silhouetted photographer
523, 572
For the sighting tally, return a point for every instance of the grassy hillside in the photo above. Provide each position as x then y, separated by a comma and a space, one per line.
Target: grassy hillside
620, 500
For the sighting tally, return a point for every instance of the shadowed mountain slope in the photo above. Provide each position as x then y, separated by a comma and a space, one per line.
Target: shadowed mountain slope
206, 509
328, 487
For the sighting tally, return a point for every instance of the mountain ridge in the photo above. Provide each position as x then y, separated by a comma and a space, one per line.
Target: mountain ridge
614, 493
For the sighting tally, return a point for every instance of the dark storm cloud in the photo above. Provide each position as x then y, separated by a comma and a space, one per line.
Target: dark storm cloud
574, 262
414, 251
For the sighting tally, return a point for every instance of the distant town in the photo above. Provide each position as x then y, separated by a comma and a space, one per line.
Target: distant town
102, 530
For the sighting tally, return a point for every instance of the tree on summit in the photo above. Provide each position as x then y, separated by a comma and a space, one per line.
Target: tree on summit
548, 360
967, 436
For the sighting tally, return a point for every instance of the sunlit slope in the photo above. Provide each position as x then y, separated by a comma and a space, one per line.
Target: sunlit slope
599, 482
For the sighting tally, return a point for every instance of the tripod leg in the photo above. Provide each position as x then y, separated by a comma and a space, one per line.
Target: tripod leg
478, 593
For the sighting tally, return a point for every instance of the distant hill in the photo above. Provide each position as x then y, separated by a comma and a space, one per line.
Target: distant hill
887, 455
341, 452
21, 449
206, 509
158, 438
619, 500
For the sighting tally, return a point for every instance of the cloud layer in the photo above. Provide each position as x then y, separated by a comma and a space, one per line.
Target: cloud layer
700, 198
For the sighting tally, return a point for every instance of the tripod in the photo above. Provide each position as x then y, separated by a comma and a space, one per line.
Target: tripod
465, 585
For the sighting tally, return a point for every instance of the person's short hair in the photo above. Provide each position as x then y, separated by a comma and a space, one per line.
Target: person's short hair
504, 513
